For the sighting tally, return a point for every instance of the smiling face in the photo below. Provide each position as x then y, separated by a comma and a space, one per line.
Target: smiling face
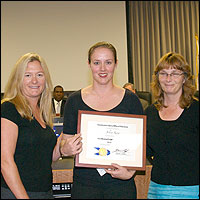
102, 65
171, 80
33, 81
58, 93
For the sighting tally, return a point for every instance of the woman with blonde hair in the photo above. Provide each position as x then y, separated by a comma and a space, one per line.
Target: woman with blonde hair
173, 131
28, 142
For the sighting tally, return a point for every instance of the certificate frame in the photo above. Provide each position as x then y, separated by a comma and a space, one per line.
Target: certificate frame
131, 125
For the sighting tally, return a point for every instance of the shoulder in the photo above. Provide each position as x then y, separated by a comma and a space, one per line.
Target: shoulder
132, 102
7, 106
9, 111
131, 95
195, 103
194, 107
190, 115
131, 98
73, 97
151, 108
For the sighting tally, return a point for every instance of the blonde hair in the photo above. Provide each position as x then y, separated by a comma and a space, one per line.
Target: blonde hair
175, 61
13, 89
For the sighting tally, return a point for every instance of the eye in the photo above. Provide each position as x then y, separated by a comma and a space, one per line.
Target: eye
40, 74
108, 62
162, 73
27, 75
96, 63
176, 74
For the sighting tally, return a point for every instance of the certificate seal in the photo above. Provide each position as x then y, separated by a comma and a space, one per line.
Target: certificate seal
102, 151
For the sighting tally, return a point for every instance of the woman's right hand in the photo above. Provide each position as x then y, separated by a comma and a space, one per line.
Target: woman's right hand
71, 145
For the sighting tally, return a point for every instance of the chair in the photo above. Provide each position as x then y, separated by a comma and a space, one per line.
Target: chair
145, 95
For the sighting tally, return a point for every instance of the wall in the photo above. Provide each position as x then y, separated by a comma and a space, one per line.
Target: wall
62, 32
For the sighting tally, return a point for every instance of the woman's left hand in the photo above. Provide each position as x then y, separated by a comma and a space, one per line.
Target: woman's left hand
120, 172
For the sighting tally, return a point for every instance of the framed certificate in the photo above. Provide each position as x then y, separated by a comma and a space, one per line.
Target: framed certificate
112, 138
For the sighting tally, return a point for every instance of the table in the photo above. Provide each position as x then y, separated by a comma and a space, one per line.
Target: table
142, 180
63, 170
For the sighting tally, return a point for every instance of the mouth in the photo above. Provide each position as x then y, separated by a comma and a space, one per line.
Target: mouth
167, 85
103, 75
34, 87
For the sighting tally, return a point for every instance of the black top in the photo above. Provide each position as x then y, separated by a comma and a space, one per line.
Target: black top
62, 106
130, 104
175, 146
34, 149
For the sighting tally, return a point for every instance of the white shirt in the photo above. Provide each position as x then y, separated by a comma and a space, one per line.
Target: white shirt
57, 106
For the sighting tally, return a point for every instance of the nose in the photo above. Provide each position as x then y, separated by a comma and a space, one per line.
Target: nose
169, 77
102, 66
34, 79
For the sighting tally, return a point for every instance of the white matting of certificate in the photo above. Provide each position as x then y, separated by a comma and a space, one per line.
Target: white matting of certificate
112, 138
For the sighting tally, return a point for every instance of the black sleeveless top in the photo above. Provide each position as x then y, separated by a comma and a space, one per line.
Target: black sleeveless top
130, 104
34, 149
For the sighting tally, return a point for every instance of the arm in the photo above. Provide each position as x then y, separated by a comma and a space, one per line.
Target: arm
71, 144
56, 151
9, 135
120, 172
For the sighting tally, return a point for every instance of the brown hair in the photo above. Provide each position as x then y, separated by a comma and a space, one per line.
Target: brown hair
104, 45
175, 61
127, 84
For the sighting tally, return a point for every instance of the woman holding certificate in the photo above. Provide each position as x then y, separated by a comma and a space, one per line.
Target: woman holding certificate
173, 131
101, 96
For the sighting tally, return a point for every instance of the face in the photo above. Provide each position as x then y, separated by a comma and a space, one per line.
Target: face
58, 94
102, 65
33, 81
171, 80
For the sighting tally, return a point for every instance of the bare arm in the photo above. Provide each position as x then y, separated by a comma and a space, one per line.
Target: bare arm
56, 151
9, 135
71, 144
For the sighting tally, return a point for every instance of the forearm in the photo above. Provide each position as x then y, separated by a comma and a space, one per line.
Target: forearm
56, 152
11, 176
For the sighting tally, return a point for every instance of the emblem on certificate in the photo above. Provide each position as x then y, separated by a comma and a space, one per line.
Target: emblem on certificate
112, 138
102, 151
